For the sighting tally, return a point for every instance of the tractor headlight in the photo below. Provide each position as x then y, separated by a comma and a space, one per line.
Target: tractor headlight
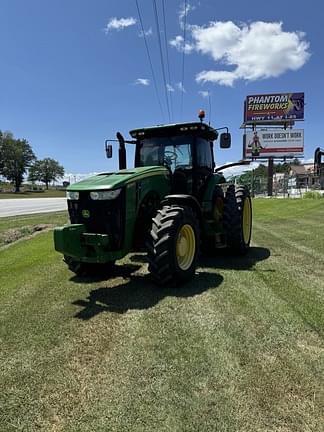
71, 195
105, 195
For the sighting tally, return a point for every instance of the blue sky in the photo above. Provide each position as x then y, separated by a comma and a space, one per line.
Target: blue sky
73, 72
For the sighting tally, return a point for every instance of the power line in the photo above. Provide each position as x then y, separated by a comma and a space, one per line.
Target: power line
167, 56
161, 57
183, 56
149, 58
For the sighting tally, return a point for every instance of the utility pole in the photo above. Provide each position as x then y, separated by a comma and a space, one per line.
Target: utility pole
270, 176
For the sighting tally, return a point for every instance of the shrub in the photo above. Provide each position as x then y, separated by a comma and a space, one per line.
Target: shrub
312, 195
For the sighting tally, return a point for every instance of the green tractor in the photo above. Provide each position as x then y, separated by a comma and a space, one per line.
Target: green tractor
171, 204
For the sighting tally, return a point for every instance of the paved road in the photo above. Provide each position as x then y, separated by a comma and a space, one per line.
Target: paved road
20, 206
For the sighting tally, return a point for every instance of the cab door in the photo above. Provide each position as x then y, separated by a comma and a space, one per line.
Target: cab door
203, 164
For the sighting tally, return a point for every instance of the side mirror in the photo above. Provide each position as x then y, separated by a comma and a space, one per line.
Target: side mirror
225, 140
109, 150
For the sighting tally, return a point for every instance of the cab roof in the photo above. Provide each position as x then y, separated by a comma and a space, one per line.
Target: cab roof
193, 128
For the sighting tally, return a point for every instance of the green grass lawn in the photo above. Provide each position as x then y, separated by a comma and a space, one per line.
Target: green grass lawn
239, 348
51, 193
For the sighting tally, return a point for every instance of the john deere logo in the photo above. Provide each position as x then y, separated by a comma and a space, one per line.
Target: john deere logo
86, 214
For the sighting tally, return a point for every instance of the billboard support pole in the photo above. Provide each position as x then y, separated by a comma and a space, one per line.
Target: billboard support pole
270, 176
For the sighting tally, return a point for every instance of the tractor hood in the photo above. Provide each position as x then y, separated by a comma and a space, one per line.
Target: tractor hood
118, 179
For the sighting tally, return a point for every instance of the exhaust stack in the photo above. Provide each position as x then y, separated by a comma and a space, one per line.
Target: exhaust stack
121, 151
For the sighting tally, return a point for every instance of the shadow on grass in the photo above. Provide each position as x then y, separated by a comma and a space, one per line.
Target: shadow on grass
226, 261
140, 293
123, 271
222, 259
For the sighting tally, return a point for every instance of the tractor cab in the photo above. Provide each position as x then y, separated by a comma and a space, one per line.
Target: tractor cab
186, 150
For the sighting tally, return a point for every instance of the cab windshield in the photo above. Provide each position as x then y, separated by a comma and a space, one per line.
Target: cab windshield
171, 152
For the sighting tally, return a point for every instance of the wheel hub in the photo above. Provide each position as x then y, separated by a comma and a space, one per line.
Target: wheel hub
185, 247
182, 246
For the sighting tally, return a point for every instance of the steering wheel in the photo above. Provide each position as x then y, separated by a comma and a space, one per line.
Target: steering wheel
171, 155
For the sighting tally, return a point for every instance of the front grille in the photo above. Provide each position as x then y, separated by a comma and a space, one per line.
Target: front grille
105, 217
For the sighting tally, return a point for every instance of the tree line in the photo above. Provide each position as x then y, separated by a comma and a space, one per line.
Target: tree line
17, 157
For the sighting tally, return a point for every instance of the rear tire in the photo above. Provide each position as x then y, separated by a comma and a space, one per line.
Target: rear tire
237, 219
214, 240
173, 245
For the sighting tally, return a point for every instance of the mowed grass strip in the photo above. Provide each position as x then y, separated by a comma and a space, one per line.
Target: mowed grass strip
239, 348
16, 227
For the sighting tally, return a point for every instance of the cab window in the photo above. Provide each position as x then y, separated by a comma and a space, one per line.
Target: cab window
204, 153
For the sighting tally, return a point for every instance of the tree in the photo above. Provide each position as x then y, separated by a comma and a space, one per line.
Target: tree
285, 166
16, 155
261, 171
282, 167
45, 170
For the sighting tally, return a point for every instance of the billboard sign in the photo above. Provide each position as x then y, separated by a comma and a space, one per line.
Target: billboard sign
272, 108
277, 143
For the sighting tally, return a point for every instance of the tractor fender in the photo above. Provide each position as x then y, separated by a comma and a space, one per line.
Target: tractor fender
213, 181
185, 200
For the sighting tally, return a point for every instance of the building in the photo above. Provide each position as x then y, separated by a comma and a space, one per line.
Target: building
303, 175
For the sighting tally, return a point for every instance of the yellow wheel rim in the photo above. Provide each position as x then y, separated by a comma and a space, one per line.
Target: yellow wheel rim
247, 220
185, 247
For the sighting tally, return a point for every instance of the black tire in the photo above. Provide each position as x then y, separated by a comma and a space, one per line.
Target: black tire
87, 269
218, 204
173, 245
212, 241
237, 219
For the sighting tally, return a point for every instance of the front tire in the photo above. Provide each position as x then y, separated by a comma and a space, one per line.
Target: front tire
237, 219
173, 245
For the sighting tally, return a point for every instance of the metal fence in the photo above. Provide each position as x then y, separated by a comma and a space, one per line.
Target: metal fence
285, 185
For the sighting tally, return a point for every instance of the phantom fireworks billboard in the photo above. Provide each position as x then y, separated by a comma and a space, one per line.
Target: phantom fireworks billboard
272, 108
277, 143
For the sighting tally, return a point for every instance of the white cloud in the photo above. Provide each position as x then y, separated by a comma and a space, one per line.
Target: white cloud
170, 88
178, 43
180, 87
119, 24
221, 77
204, 94
217, 39
256, 51
183, 12
142, 81
146, 33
